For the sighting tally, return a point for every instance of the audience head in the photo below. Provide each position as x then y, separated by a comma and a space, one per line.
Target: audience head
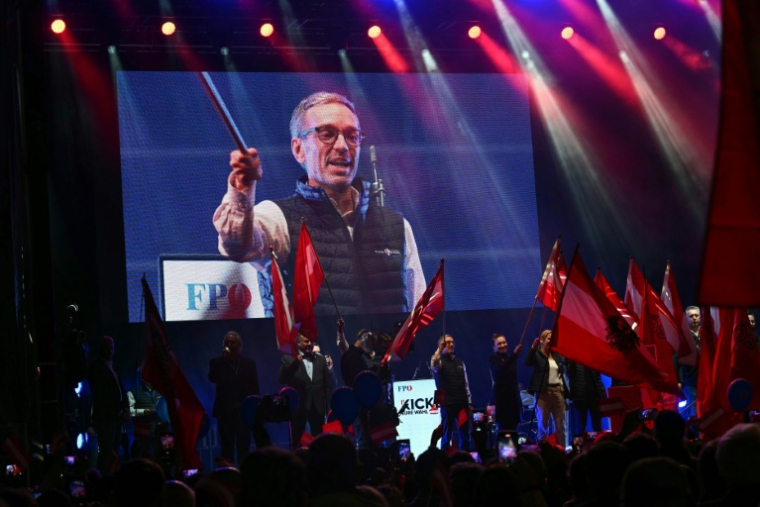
138, 482
178, 494
496, 483
709, 475
605, 464
273, 477
220, 488
331, 465
669, 428
738, 456
657, 482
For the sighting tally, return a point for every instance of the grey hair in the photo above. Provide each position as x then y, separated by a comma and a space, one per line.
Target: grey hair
316, 99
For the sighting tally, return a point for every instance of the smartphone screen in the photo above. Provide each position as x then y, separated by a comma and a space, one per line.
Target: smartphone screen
475, 456
591, 435
167, 442
190, 472
507, 447
76, 488
70, 460
577, 442
404, 450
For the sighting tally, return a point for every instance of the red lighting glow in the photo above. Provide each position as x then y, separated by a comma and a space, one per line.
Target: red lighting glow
58, 26
567, 32
168, 28
474, 32
659, 33
267, 29
374, 32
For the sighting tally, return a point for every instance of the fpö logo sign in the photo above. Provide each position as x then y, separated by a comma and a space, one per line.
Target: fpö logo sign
403, 389
208, 295
210, 290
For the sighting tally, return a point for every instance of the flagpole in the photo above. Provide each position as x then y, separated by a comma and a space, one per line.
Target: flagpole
443, 292
530, 316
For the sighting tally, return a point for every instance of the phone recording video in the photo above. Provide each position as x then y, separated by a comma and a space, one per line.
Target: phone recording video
190, 472
507, 444
578, 441
167, 442
12, 469
76, 489
404, 450
70, 460
648, 414
591, 435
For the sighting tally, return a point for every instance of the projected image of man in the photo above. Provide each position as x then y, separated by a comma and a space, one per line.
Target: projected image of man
368, 251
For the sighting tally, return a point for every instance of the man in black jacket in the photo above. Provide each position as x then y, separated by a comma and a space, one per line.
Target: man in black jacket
454, 389
586, 389
236, 378
308, 375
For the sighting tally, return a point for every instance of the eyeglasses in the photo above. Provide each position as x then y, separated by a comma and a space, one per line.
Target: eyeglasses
329, 134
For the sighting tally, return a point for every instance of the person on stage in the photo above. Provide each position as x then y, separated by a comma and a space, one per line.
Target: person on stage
308, 375
236, 378
368, 251
586, 389
454, 390
506, 392
548, 385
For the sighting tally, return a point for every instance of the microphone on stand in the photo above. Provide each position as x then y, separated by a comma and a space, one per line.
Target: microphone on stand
377, 186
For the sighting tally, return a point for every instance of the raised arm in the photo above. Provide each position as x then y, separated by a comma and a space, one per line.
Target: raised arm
246, 230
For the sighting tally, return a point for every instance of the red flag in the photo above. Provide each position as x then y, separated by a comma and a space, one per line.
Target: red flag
736, 356
162, 370
653, 335
636, 287
16, 451
452, 449
732, 244
383, 432
601, 281
284, 330
333, 427
687, 351
708, 339
590, 331
550, 288
306, 440
306, 284
427, 308
462, 417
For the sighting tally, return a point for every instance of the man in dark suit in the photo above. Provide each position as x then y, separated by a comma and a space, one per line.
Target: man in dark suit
236, 378
110, 407
308, 375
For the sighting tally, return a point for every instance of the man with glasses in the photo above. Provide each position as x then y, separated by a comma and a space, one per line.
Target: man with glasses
368, 251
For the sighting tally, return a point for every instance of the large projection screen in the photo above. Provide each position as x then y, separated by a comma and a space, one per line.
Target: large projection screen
454, 152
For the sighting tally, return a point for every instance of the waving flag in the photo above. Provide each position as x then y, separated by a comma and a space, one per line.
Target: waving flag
427, 308
284, 330
590, 331
552, 281
306, 284
163, 371
687, 351
601, 281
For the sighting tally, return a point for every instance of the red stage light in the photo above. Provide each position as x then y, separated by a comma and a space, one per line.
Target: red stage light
168, 28
267, 29
659, 33
474, 32
374, 32
58, 26
567, 32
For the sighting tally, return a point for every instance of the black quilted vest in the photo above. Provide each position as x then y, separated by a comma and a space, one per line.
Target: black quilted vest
366, 275
450, 379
